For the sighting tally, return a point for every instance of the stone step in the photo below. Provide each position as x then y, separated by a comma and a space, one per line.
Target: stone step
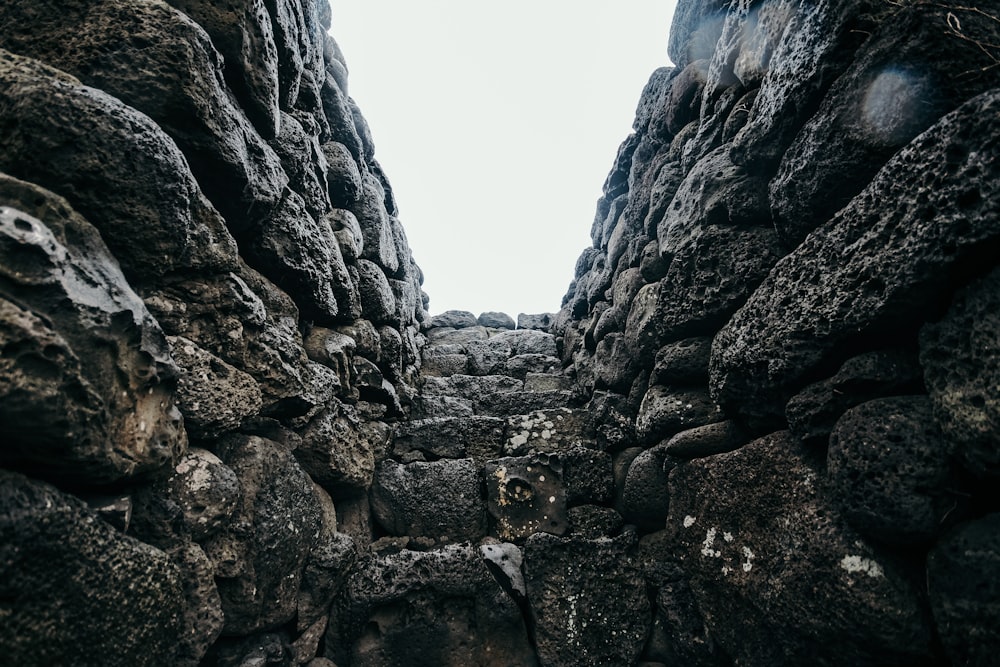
484, 437
487, 395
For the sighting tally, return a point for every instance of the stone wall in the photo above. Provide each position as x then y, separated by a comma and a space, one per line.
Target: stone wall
763, 429
791, 297
210, 318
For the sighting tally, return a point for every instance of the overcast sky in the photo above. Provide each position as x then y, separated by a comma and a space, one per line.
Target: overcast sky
497, 123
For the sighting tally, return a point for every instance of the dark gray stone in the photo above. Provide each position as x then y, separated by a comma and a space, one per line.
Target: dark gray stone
932, 209
592, 522
717, 438
812, 412
538, 321
206, 491
962, 582
441, 607
439, 500
88, 385
892, 91
456, 319
481, 438
666, 411
683, 362
214, 396
75, 590
339, 449
588, 600
891, 470
645, 498
495, 320
260, 556
739, 540
962, 371
526, 495
155, 220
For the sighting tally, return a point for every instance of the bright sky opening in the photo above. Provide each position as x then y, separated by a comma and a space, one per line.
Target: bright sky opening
497, 124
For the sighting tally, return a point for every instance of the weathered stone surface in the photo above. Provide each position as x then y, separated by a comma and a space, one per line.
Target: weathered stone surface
547, 431
72, 585
529, 341
247, 322
339, 450
156, 60
440, 607
244, 34
259, 568
666, 411
891, 470
481, 438
202, 615
88, 383
440, 500
812, 412
155, 220
495, 320
962, 582
682, 362
587, 475
740, 540
815, 48
525, 495
872, 268
456, 319
487, 357
717, 438
213, 396
962, 372
536, 321
324, 575
644, 498
377, 300
520, 365
547, 382
206, 490
579, 590
592, 522
890, 93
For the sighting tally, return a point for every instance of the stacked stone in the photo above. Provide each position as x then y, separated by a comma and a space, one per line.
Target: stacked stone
209, 318
492, 509
787, 329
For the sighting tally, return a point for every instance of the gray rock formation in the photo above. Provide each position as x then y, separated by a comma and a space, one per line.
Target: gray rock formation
763, 428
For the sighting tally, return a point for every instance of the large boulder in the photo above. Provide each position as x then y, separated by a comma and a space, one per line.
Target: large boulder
438, 500
69, 137
260, 556
872, 269
891, 470
75, 590
779, 575
588, 600
88, 384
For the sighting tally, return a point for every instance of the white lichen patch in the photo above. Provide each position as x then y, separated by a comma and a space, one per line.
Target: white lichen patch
748, 557
706, 548
727, 536
689, 521
856, 564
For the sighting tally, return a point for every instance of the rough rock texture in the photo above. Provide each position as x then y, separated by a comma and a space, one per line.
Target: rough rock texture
763, 428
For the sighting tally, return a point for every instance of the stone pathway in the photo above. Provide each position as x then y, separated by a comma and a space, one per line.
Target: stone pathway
495, 503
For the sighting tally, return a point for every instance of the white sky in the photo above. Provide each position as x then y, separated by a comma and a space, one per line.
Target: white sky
497, 123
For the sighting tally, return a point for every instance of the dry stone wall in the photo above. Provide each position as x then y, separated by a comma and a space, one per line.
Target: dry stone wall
788, 301
762, 430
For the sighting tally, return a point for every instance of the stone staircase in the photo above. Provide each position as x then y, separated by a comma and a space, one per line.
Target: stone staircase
498, 494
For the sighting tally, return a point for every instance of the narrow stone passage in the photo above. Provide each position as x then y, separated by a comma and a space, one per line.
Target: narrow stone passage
762, 429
